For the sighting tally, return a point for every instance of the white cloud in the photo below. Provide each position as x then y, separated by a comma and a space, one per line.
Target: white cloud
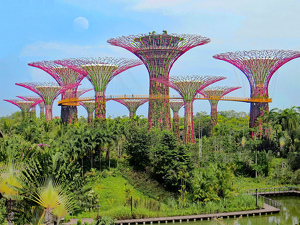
261, 19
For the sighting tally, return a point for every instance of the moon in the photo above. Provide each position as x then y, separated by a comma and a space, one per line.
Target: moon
80, 24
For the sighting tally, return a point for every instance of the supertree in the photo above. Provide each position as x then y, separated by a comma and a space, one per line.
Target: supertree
63, 76
23, 105
48, 92
159, 52
175, 105
188, 87
132, 104
100, 71
214, 94
38, 100
90, 108
259, 67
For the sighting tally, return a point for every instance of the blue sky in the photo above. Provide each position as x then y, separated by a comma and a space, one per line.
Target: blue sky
34, 30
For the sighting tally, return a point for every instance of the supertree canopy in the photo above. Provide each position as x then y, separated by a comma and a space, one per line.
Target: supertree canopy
215, 93
23, 105
100, 71
63, 76
188, 87
48, 92
38, 100
159, 52
259, 67
132, 104
90, 108
175, 105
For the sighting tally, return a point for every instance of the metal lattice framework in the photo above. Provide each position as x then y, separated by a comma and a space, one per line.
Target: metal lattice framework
188, 87
259, 67
175, 106
132, 105
48, 91
100, 71
81, 92
23, 105
63, 76
213, 92
159, 52
38, 100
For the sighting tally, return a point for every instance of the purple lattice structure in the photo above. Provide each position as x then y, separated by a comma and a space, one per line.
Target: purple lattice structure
63, 76
215, 93
259, 67
100, 71
81, 92
159, 52
38, 100
48, 92
175, 106
132, 105
23, 105
188, 87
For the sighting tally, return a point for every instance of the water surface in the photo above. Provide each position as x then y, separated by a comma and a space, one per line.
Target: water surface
289, 215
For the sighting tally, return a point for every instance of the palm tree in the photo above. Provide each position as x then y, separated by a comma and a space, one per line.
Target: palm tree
9, 184
288, 119
55, 198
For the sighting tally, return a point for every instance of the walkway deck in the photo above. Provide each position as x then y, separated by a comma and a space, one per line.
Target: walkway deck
267, 210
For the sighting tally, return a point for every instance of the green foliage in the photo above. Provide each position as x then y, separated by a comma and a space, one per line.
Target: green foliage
168, 158
213, 182
2, 211
138, 147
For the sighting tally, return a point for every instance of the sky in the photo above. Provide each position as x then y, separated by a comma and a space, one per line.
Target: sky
35, 30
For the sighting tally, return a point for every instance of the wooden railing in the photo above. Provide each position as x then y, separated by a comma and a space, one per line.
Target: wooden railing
271, 202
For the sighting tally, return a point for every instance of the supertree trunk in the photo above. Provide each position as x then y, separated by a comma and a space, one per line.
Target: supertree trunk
90, 117
132, 114
48, 115
25, 113
188, 123
256, 110
176, 124
69, 114
100, 108
213, 117
33, 112
42, 109
159, 109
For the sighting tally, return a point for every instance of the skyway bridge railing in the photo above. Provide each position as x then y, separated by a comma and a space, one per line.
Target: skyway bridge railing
75, 101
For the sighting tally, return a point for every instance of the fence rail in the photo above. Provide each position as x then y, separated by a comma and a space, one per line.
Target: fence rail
271, 202
272, 190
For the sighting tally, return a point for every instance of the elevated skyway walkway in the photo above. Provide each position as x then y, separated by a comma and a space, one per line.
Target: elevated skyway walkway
75, 101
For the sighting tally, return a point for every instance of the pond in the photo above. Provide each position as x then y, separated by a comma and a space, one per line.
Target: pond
289, 215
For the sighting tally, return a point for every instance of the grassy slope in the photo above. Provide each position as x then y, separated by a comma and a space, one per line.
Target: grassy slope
111, 193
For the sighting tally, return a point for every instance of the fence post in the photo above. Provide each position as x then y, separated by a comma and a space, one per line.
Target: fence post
131, 205
256, 197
